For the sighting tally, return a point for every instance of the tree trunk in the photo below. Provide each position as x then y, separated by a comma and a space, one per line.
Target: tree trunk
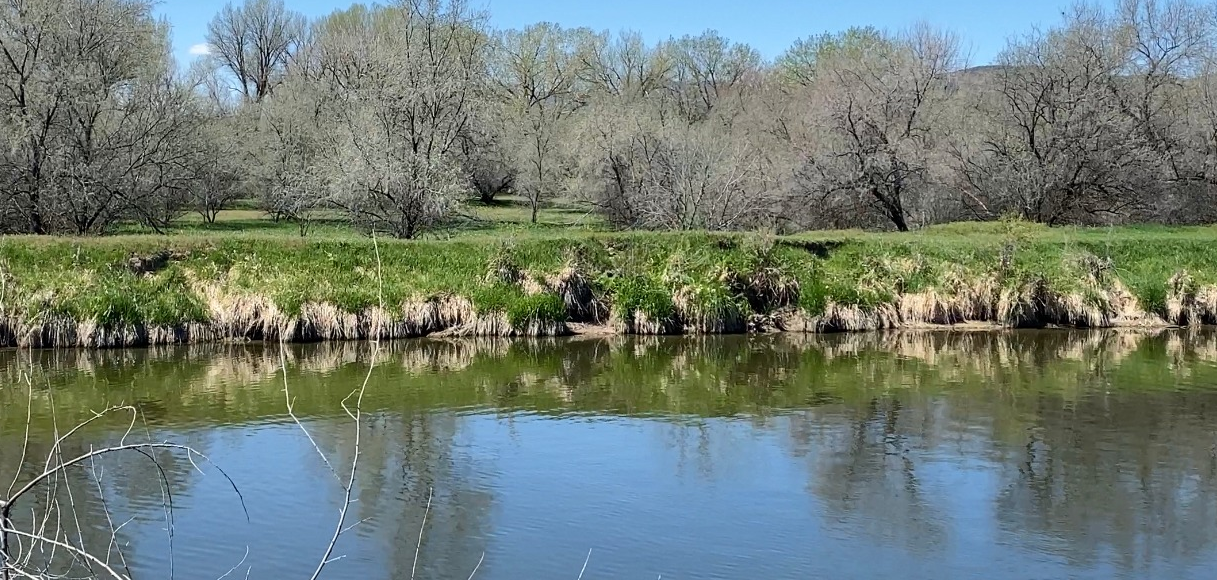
898, 219
893, 208
36, 224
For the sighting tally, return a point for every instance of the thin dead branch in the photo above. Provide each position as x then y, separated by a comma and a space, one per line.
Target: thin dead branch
585, 561
478, 567
355, 412
419, 547
46, 536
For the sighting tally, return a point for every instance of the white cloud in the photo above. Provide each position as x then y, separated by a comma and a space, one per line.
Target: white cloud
201, 49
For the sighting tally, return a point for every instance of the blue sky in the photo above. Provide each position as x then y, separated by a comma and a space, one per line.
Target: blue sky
768, 25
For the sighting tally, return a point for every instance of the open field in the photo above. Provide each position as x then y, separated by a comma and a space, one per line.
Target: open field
507, 214
247, 277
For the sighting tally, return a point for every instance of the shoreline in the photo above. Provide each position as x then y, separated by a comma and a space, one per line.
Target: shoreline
134, 292
70, 335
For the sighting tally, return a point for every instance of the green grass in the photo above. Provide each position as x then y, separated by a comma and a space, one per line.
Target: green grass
86, 278
636, 294
520, 308
506, 216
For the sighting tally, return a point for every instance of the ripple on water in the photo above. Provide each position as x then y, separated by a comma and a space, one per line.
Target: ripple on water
1008, 455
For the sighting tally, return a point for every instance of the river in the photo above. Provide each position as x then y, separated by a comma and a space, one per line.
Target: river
943, 455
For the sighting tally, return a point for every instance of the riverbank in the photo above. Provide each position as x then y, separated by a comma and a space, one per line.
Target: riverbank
148, 290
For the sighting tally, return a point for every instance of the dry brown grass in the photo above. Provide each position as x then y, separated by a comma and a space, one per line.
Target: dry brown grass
930, 307
732, 303
1188, 303
841, 318
62, 332
498, 324
696, 317
575, 288
641, 323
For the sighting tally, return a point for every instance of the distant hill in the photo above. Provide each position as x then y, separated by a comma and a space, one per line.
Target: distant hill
981, 70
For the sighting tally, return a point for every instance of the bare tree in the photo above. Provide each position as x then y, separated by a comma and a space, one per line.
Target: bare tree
127, 159
709, 70
705, 179
1193, 198
95, 126
869, 137
644, 167
220, 164
1061, 147
295, 139
490, 169
218, 171
798, 64
484, 148
1163, 89
404, 78
660, 144
611, 140
534, 71
623, 67
31, 100
256, 42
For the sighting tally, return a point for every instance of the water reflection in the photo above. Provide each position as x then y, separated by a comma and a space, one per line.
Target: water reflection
1044, 454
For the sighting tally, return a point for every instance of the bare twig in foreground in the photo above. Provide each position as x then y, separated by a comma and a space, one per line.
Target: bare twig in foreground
478, 567
348, 486
45, 537
585, 561
418, 548
109, 450
68, 547
355, 412
237, 565
291, 412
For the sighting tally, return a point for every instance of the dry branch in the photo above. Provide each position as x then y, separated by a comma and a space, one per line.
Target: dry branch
46, 535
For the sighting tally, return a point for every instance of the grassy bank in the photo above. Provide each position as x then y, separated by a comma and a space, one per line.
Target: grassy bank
134, 290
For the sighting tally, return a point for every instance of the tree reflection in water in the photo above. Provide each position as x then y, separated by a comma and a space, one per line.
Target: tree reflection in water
1095, 448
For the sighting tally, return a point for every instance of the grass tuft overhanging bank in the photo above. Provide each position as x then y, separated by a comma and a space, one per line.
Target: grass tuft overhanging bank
144, 290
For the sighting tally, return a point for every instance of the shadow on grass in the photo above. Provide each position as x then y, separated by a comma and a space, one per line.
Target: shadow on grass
255, 226
472, 225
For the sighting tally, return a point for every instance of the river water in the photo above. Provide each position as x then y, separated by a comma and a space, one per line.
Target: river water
997, 455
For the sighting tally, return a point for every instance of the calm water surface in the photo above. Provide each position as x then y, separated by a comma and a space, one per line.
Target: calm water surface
1022, 455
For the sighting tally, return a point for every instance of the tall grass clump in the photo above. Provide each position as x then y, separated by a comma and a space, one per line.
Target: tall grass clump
711, 308
520, 308
640, 304
117, 297
764, 276
86, 292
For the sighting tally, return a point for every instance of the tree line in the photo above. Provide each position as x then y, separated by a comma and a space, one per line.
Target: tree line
397, 116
